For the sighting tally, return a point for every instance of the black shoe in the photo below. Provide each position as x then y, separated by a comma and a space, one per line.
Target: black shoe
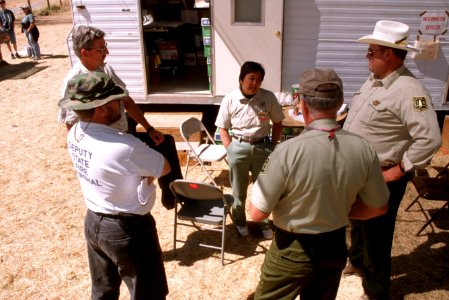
350, 269
18, 56
12, 56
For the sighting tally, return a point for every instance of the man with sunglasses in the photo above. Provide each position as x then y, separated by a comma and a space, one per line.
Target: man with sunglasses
394, 112
91, 48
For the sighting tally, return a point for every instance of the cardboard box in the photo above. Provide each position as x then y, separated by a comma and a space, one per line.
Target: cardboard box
190, 59
198, 41
168, 49
201, 60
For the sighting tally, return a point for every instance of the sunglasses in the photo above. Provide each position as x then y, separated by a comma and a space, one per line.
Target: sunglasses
370, 53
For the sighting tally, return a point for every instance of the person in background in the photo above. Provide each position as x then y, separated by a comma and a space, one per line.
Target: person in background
91, 48
116, 173
394, 112
7, 19
32, 32
244, 125
312, 184
4, 37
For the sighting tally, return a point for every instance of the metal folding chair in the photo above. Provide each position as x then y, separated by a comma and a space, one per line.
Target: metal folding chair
203, 154
433, 189
201, 203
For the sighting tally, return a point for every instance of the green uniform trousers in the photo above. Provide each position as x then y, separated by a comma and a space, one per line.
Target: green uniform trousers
308, 265
244, 158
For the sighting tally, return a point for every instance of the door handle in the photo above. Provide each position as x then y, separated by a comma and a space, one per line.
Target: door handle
277, 34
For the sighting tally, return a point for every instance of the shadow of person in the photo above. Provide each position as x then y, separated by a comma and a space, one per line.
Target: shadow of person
236, 247
52, 56
424, 269
13, 70
222, 179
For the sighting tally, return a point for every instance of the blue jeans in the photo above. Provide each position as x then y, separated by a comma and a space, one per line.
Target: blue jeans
244, 158
309, 265
124, 248
35, 49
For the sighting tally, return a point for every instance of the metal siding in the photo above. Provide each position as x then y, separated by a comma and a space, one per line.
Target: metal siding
120, 20
322, 34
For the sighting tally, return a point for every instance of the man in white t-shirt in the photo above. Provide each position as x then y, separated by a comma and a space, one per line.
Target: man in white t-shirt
116, 173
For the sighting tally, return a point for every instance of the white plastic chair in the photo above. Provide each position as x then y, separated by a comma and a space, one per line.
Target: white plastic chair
202, 154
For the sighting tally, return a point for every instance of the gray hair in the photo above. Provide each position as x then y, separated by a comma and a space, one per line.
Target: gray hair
83, 37
321, 103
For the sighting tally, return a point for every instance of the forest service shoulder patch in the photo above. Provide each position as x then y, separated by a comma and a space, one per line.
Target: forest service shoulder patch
420, 104
264, 169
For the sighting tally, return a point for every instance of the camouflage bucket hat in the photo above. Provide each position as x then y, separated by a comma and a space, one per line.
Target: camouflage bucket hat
90, 90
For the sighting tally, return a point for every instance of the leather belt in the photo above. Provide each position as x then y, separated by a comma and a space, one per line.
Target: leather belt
119, 215
251, 141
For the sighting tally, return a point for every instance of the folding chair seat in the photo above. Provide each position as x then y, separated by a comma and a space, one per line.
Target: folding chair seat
433, 189
201, 203
203, 154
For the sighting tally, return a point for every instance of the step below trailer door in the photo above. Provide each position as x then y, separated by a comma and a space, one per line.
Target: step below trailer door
246, 30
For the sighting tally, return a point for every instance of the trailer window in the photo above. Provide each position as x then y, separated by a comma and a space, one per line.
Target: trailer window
248, 12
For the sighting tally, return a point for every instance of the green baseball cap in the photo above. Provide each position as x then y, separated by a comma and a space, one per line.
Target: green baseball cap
310, 80
90, 90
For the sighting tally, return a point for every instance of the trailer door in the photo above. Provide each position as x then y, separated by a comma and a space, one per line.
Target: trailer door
246, 30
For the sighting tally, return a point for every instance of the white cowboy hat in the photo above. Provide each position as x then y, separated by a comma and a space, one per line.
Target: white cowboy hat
389, 34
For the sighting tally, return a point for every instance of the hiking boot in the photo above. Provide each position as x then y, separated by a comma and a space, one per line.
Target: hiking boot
350, 269
12, 56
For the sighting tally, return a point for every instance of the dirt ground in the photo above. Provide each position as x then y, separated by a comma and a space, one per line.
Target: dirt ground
42, 248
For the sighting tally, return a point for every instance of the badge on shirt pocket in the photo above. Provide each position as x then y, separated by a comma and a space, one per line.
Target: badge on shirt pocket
420, 104
263, 116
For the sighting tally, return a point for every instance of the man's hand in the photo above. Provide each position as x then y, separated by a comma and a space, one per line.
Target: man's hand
392, 174
150, 179
156, 136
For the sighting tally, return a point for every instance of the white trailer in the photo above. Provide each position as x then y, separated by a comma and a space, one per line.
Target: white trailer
286, 36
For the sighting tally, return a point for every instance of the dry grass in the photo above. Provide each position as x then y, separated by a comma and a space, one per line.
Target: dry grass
42, 249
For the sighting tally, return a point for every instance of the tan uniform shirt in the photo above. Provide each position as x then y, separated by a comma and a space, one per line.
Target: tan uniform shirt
396, 116
310, 183
249, 118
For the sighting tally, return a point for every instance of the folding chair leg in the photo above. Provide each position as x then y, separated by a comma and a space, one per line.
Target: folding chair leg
175, 228
187, 164
429, 222
413, 202
223, 240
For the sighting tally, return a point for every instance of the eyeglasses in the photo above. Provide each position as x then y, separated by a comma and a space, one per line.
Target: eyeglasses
370, 53
102, 50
